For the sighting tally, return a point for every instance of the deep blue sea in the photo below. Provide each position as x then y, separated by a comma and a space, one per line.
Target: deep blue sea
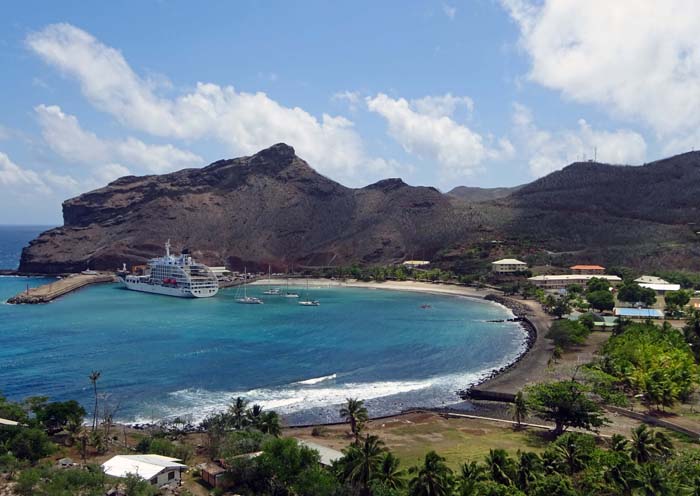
13, 239
162, 357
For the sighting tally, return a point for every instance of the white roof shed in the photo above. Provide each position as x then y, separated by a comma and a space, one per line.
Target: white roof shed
145, 466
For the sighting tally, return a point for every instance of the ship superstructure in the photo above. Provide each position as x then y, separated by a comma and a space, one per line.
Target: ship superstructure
175, 276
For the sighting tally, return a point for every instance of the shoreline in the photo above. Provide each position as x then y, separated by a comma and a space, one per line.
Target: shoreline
505, 379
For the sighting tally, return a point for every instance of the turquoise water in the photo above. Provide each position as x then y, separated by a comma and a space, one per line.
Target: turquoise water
162, 357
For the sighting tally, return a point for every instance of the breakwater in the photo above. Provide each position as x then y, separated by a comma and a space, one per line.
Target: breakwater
55, 289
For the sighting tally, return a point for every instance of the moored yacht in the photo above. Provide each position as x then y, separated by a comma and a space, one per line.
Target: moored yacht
174, 276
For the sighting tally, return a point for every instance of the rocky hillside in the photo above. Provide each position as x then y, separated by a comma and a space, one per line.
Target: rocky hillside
270, 208
273, 208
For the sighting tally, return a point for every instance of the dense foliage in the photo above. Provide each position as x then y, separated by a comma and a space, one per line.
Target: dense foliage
653, 361
567, 333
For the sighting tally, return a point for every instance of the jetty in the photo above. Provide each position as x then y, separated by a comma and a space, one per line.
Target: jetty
60, 287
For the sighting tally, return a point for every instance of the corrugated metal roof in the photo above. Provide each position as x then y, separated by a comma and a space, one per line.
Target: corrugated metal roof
661, 287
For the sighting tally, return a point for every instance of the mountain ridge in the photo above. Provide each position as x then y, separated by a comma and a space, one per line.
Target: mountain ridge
274, 208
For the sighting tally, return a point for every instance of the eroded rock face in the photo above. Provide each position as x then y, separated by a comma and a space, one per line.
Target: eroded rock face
269, 208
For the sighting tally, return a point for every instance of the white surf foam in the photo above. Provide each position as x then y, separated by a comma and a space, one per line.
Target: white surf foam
316, 380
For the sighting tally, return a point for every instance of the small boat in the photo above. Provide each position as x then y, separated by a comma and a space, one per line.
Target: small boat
247, 300
270, 290
290, 294
306, 302
426, 306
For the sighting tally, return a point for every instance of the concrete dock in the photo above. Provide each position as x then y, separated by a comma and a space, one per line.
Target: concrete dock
51, 291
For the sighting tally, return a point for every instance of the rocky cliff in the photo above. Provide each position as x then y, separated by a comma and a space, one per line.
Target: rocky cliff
269, 208
273, 208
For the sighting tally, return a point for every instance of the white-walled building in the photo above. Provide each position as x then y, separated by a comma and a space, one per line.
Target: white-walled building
661, 286
562, 281
157, 469
508, 265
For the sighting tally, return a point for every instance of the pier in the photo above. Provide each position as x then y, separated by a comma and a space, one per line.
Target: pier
51, 291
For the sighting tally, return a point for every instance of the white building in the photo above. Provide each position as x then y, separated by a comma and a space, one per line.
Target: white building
562, 281
661, 286
416, 263
508, 266
157, 469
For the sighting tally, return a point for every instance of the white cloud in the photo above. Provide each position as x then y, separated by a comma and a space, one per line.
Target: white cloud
425, 128
449, 10
63, 133
549, 151
21, 180
246, 122
639, 59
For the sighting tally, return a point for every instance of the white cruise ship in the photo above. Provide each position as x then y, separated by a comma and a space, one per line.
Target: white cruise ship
175, 276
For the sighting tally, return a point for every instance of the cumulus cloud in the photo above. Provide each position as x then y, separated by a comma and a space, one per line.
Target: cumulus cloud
549, 151
65, 136
246, 122
22, 180
425, 128
639, 59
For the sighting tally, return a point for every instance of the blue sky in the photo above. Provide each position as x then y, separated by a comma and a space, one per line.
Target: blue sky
481, 92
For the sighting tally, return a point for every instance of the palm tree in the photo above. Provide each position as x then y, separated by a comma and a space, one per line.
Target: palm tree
470, 474
569, 453
648, 444
270, 423
355, 412
434, 478
519, 409
362, 462
619, 443
94, 376
654, 482
500, 466
237, 411
389, 474
254, 415
528, 470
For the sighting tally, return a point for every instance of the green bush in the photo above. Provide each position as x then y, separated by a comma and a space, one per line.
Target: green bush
567, 333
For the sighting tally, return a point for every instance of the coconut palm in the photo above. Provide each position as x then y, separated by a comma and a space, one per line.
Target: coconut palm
519, 409
269, 423
389, 474
470, 475
570, 453
648, 444
619, 443
355, 412
500, 466
254, 414
94, 376
362, 463
654, 482
237, 410
528, 469
434, 478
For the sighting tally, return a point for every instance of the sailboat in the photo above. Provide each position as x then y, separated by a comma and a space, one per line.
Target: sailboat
247, 300
270, 290
290, 294
306, 302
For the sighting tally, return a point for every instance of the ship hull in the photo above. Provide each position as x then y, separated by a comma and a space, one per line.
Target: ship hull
170, 291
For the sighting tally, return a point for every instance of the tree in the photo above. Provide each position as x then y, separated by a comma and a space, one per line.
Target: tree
691, 331
94, 377
567, 333
676, 300
237, 410
601, 300
434, 478
597, 284
561, 307
500, 467
286, 465
389, 475
573, 451
519, 409
362, 462
29, 444
648, 444
470, 475
270, 423
354, 412
565, 403
58, 415
528, 470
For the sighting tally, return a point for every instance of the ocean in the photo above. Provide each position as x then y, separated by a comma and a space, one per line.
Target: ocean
12, 240
162, 357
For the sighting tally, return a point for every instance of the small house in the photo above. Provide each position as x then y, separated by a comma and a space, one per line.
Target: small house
212, 473
157, 469
328, 455
508, 266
